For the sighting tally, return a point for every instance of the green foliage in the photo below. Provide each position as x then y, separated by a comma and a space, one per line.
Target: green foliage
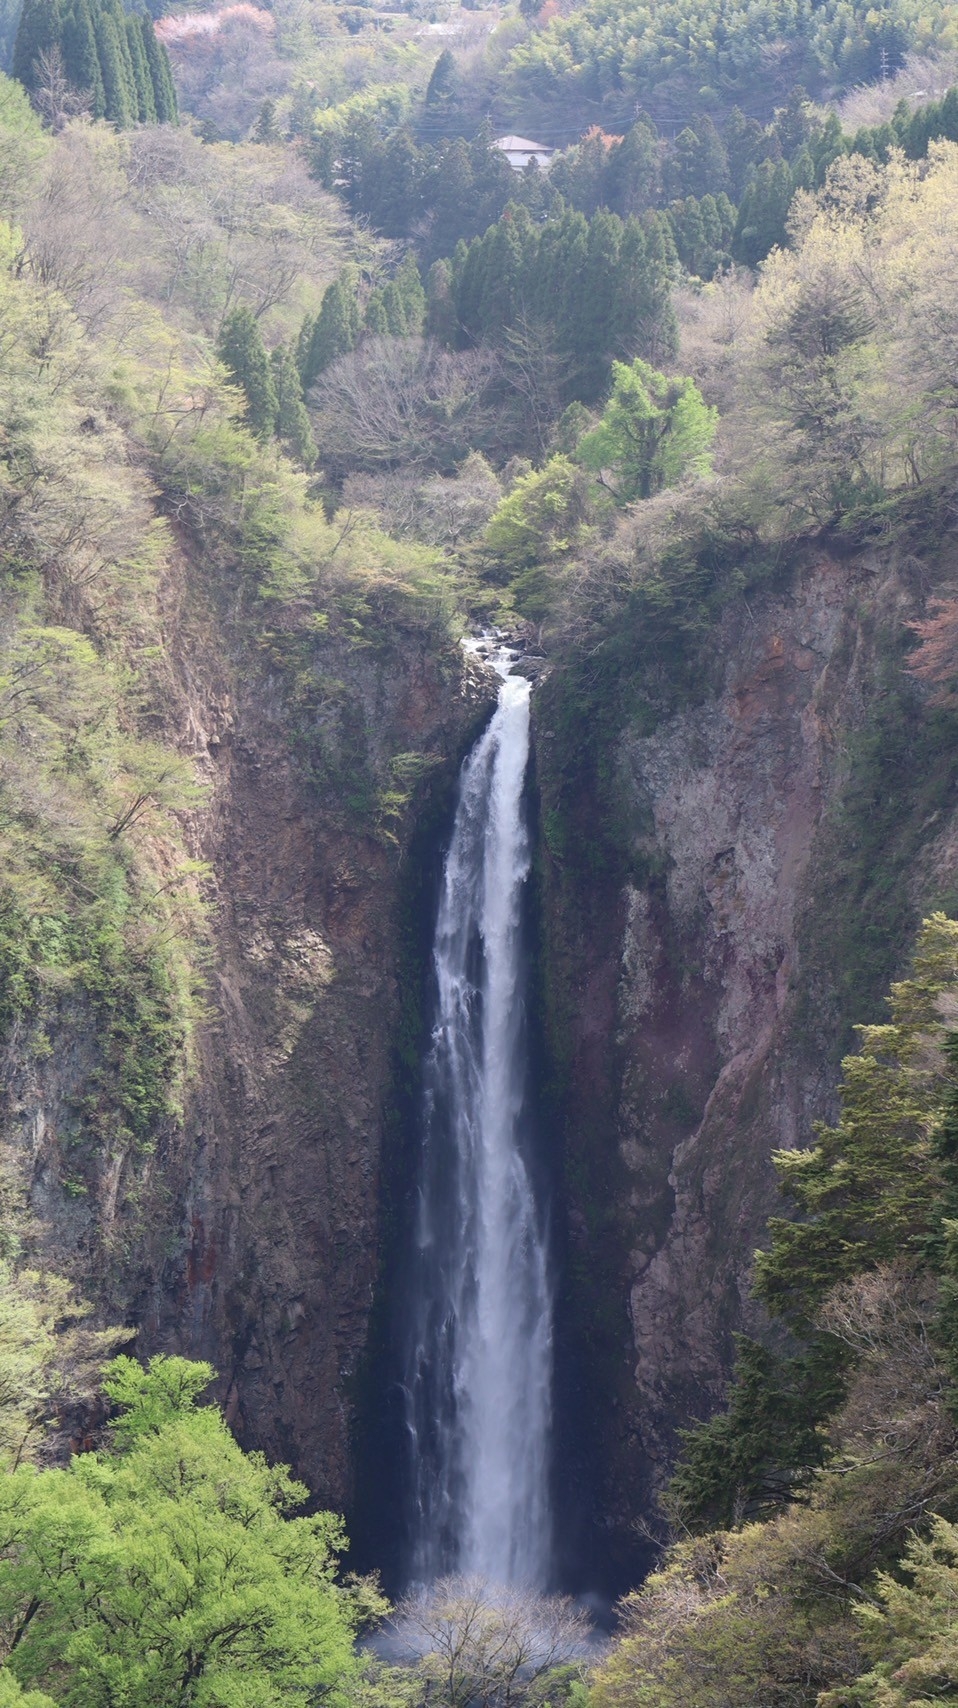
909, 1628
540, 518
601, 287
113, 60
703, 232
12, 1695
333, 333
763, 212
241, 350
398, 307
870, 1188
653, 432
871, 1192
37, 33
443, 91
151, 1398
292, 422
387, 176
618, 56
47, 1356
174, 1574
80, 58
762, 1451
847, 1445
84, 920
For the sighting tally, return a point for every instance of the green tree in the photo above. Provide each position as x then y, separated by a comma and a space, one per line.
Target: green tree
266, 128
873, 1190
12, 1695
440, 308
158, 61
411, 295
909, 1629
633, 170
697, 164
763, 212
118, 97
765, 1447
597, 284
653, 432
38, 31
443, 91
142, 81
292, 420
22, 148
870, 1187
150, 1398
241, 350
334, 332
541, 517
173, 1575
80, 58
46, 1353
645, 323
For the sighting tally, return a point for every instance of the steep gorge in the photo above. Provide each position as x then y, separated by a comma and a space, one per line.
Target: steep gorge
728, 871
721, 890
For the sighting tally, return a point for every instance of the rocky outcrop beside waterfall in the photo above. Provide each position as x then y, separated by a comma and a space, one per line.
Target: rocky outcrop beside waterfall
779, 828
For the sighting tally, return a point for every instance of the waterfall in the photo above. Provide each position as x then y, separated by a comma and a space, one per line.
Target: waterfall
479, 1363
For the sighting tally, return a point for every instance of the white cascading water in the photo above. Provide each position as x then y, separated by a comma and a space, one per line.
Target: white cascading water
479, 1381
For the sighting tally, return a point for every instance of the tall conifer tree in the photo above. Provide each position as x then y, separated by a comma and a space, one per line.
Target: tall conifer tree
158, 61
80, 58
142, 81
292, 421
39, 30
241, 350
336, 330
118, 106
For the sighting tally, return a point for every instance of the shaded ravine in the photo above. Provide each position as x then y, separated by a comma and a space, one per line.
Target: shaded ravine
478, 1371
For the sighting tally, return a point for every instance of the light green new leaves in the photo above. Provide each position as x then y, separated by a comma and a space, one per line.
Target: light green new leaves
655, 430
173, 1574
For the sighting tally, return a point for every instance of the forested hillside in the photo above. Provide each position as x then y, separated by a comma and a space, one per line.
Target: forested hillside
300, 382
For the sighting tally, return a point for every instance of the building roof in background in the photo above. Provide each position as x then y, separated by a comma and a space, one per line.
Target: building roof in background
521, 145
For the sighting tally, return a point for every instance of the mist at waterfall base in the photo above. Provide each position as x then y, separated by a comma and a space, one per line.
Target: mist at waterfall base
470, 1415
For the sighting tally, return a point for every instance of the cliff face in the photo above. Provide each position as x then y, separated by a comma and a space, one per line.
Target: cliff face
248, 1231
284, 1135
698, 1003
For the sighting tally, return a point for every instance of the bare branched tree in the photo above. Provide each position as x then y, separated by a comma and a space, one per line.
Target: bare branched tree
54, 95
440, 510
404, 401
494, 1646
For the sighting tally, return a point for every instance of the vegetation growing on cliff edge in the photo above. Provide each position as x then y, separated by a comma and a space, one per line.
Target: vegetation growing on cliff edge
834, 1473
124, 455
